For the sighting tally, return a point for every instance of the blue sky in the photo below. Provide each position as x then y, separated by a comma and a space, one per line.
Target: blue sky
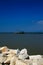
21, 15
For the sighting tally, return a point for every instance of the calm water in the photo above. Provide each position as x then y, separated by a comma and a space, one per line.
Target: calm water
33, 42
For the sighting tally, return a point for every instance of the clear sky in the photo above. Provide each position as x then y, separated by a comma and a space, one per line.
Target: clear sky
21, 15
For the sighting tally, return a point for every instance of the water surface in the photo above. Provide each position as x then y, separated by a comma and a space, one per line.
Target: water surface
33, 42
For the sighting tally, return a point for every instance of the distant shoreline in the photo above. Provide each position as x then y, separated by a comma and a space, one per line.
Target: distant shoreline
21, 32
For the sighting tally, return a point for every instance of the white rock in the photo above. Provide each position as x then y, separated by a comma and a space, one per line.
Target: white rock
3, 49
36, 59
16, 61
23, 54
2, 59
14, 51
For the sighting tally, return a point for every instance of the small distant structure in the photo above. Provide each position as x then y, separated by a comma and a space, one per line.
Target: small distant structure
22, 32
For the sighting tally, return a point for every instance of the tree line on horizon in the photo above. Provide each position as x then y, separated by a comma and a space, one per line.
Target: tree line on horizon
29, 32
22, 32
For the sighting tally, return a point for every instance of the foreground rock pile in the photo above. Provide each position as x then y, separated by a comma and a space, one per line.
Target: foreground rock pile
18, 57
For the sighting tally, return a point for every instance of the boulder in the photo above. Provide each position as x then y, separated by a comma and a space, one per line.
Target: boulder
23, 54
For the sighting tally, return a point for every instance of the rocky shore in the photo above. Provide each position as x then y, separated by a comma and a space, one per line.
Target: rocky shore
18, 57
